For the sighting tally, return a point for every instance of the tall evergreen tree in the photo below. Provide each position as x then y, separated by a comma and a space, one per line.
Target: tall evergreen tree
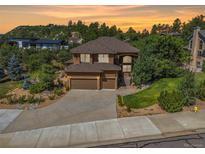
177, 25
14, 69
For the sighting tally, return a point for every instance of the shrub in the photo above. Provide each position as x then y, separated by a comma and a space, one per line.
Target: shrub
120, 100
201, 91
67, 88
203, 66
171, 102
48, 69
128, 109
22, 99
47, 80
64, 55
37, 88
33, 100
2, 74
58, 91
12, 99
187, 87
52, 96
26, 84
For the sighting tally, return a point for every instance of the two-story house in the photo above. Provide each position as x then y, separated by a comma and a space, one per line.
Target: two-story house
97, 64
197, 49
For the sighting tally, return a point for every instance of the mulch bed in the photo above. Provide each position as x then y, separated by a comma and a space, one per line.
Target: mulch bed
151, 110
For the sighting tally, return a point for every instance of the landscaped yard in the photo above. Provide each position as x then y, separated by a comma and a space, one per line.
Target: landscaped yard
7, 86
149, 96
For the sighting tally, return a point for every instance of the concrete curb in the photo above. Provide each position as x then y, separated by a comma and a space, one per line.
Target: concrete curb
104, 132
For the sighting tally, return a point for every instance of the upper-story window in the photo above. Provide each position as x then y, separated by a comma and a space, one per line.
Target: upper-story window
127, 59
190, 44
103, 58
85, 58
200, 44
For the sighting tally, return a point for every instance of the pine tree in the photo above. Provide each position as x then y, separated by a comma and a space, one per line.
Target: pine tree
14, 69
2, 74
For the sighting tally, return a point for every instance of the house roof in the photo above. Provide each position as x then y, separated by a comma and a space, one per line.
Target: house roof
202, 34
45, 41
94, 68
105, 45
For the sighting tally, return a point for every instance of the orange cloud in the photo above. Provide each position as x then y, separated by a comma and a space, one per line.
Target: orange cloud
139, 17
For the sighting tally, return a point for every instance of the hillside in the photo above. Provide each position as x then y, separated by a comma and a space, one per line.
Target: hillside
44, 32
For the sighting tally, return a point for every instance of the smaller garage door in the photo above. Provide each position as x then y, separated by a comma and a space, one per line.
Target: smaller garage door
83, 84
108, 83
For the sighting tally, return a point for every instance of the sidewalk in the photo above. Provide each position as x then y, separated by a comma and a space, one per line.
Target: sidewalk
108, 131
7, 116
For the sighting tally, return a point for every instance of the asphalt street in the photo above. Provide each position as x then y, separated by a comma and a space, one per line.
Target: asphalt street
188, 141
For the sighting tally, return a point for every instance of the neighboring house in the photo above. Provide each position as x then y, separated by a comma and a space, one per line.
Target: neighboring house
172, 34
197, 49
37, 43
1, 41
48, 44
98, 64
21, 42
75, 38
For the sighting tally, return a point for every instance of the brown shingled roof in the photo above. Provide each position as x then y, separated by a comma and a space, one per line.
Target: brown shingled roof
105, 45
96, 67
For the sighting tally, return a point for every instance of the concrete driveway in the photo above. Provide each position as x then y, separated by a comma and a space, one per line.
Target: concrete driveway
76, 106
7, 116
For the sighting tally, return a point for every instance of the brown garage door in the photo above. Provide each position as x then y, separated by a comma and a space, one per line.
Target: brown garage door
83, 84
108, 83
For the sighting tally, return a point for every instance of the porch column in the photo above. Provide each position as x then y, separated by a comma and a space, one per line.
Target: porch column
116, 81
98, 82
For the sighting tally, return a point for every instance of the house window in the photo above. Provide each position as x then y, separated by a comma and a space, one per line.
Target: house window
85, 58
103, 58
190, 44
127, 59
199, 53
198, 64
200, 44
126, 68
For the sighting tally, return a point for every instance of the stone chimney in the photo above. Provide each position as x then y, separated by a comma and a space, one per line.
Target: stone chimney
194, 50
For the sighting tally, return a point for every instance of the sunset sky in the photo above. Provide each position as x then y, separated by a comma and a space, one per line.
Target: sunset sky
139, 17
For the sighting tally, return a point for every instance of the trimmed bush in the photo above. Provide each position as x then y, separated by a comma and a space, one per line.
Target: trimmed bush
171, 102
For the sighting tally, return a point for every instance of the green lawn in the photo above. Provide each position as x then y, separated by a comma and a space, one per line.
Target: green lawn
149, 96
7, 86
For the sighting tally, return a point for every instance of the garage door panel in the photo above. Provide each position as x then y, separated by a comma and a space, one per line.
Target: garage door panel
108, 83
83, 84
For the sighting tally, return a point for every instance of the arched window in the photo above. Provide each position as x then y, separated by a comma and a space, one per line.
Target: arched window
127, 59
